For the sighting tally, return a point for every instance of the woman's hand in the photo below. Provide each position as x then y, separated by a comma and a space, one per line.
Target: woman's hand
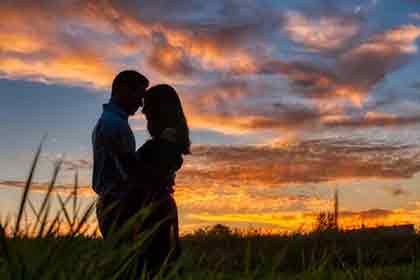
169, 134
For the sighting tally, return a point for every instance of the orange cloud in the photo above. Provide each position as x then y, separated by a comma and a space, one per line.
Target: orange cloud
55, 44
401, 40
240, 198
88, 47
250, 178
67, 69
20, 43
302, 162
202, 46
282, 221
210, 54
323, 33
244, 184
37, 47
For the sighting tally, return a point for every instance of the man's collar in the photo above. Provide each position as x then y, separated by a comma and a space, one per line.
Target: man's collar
115, 108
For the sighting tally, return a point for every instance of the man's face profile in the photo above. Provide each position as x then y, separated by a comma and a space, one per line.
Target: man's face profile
136, 98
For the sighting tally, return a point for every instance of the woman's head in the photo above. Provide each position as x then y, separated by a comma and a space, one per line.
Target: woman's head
163, 109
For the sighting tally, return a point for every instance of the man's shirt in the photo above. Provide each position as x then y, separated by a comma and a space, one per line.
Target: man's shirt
112, 139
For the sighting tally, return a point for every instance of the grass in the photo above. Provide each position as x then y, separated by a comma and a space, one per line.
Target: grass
42, 250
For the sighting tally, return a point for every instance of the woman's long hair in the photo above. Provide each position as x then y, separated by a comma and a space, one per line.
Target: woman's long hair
163, 109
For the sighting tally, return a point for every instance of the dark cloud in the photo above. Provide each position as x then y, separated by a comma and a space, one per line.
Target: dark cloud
227, 106
370, 62
374, 120
416, 85
306, 79
304, 162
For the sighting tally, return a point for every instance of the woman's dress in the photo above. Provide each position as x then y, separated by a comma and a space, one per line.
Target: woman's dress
153, 186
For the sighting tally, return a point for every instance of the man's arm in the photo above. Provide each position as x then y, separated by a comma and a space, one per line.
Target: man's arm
115, 140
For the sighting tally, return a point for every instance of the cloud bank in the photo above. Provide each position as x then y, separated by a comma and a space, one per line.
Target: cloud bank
226, 57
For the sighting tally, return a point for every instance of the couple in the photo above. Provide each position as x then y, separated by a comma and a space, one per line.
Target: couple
126, 179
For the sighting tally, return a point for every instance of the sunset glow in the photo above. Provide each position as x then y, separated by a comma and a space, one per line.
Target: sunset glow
286, 102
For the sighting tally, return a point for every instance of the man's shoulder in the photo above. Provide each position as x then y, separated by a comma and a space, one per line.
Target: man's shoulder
110, 123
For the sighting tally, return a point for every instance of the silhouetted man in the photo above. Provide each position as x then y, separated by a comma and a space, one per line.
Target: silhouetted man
114, 146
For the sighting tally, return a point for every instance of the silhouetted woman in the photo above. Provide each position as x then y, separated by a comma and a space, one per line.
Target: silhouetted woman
158, 161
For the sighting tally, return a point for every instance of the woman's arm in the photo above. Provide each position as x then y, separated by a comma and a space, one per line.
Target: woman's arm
156, 162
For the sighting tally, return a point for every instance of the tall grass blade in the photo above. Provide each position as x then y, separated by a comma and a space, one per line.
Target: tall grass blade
85, 217
26, 219
64, 210
44, 220
7, 223
76, 214
47, 196
3, 243
75, 193
131, 254
27, 187
138, 218
32, 207
52, 229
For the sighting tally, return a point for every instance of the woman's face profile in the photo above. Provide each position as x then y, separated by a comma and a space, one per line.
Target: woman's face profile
152, 119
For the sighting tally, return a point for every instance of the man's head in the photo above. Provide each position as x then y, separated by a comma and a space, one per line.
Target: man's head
128, 89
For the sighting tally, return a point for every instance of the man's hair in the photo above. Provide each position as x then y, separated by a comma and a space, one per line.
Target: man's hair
130, 78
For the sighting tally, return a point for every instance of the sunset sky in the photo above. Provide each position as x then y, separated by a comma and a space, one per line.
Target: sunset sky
286, 100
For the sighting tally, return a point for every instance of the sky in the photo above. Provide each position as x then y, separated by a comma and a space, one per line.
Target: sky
286, 100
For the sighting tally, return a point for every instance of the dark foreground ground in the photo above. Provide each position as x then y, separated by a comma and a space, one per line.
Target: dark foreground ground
218, 253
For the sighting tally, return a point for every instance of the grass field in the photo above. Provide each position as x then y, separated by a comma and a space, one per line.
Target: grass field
41, 250
210, 255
